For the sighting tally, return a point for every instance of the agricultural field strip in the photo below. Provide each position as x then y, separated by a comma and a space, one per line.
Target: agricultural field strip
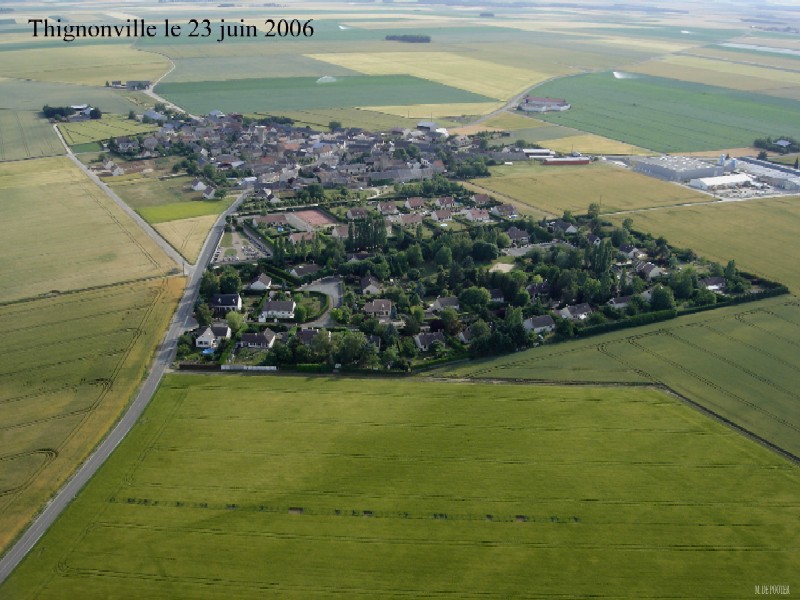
670, 115
93, 131
24, 135
61, 405
474, 75
126, 510
116, 343
743, 384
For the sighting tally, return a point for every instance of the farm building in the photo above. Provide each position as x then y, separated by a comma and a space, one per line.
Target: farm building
676, 168
566, 160
540, 104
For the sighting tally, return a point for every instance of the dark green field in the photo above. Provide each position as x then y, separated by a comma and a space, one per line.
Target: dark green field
303, 93
668, 115
302, 488
740, 362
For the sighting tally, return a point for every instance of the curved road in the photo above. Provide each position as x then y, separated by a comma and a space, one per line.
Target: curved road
165, 354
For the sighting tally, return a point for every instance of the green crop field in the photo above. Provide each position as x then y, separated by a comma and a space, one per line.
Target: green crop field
18, 94
107, 127
24, 135
304, 93
58, 231
287, 487
714, 231
740, 362
555, 189
77, 358
668, 115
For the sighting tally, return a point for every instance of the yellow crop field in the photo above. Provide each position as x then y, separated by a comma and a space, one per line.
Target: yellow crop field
187, 235
471, 74
23, 134
716, 232
58, 231
87, 65
436, 111
591, 144
555, 189
77, 360
107, 127
764, 59
511, 121
723, 73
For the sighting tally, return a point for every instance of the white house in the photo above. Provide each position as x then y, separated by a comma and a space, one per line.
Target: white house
578, 312
541, 324
277, 309
261, 284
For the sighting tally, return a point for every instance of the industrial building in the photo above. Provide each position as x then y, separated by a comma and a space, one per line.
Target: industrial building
781, 177
721, 182
677, 168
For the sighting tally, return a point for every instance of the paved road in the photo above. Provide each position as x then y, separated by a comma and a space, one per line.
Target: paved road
165, 354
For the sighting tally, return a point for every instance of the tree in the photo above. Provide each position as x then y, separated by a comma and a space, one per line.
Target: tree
450, 321
683, 283
235, 321
203, 314
229, 281
662, 298
334, 125
95, 114
763, 155
594, 211
444, 256
300, 313
209, 284
475, 297
627, 223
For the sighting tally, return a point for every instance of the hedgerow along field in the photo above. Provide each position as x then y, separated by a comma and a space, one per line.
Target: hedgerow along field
24, 135
555, 189
77, 359
740, 362
320, 488
304, 93
668, 115
60, 232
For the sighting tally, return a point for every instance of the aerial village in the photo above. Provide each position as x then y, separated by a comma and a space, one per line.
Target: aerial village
364, 250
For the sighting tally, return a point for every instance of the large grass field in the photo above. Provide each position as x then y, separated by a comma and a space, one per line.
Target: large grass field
107, 127
770, 249
741, 362
25, 95
751, 78
70, 365
234, 487
669, 115
474, 75
58, 231
83, 65
304, 93
555, 189
24, 135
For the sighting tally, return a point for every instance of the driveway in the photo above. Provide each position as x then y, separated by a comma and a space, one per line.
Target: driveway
333, 288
